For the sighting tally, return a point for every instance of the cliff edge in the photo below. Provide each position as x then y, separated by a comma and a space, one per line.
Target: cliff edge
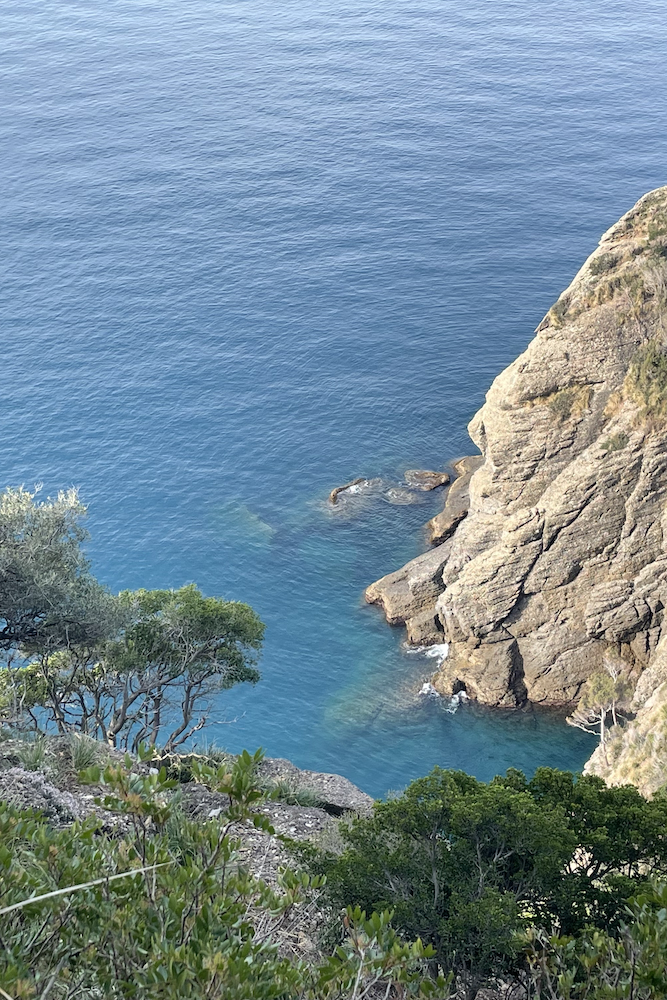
563, 552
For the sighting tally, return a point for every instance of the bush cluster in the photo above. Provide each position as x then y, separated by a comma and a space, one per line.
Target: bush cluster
646, 381
472, 868
162, 907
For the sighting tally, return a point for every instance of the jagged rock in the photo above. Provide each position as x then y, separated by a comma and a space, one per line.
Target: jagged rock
444, 524
333, 496
335, 793
495, 679
32, 790
408, 596
563, 552
424, 628
425, 479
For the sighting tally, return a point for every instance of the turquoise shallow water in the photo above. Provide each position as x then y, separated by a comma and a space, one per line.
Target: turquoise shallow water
252, 250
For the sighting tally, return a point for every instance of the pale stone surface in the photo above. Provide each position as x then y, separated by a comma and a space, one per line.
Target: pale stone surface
408, 596
32, 790
440, 527
336, 793
563, 552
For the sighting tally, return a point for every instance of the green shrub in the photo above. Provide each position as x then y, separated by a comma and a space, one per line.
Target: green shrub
83, 751
294, 795
558, 311
616, 442
468, 866
597, 965
32, 754
646, 381
163, 909
603, 263
561, 404
569, 402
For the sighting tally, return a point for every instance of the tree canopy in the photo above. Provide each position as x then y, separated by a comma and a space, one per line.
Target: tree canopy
139, 666
48, 598
466, 866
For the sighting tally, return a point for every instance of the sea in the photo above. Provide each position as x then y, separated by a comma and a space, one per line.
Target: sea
252, 250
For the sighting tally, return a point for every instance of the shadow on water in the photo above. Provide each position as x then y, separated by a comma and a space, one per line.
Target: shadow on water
389, 710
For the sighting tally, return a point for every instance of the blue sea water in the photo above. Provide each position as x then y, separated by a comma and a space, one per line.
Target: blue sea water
254, 249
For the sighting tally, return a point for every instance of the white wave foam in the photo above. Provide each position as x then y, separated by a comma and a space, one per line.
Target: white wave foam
438, 651
455, 701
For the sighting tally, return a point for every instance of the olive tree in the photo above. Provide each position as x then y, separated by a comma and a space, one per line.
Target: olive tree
155, 680
139, 666
48, 598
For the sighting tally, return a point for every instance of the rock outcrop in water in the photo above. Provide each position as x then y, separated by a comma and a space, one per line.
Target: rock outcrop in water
563, 552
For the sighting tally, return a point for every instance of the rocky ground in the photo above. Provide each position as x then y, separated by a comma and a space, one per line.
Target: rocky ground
44, 777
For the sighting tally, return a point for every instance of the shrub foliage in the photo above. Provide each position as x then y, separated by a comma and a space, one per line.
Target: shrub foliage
469, 867
163, 907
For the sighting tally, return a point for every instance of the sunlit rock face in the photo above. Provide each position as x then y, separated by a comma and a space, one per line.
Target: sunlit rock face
561, 556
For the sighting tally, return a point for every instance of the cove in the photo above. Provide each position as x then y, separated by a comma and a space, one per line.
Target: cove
251, 253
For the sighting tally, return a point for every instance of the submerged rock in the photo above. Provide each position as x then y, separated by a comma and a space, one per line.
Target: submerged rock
398, 495
335, 493
559, 552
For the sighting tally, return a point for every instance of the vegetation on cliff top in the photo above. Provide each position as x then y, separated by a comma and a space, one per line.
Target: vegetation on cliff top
160, 908
543, 885
546, 884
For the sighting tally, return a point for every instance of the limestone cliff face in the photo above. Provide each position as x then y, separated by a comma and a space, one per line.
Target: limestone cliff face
563, 552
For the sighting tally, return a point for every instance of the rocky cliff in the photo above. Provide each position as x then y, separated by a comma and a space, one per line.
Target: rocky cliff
563, 553
637, 752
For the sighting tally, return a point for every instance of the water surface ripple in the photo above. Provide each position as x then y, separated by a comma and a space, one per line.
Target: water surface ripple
252, 250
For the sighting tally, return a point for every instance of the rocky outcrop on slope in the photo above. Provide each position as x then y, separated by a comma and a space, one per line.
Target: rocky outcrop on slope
335, 794
54, 791
637, 752
32, 790
562, 554
314, 799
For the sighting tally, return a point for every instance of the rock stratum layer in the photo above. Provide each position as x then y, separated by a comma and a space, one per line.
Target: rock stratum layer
562, 554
